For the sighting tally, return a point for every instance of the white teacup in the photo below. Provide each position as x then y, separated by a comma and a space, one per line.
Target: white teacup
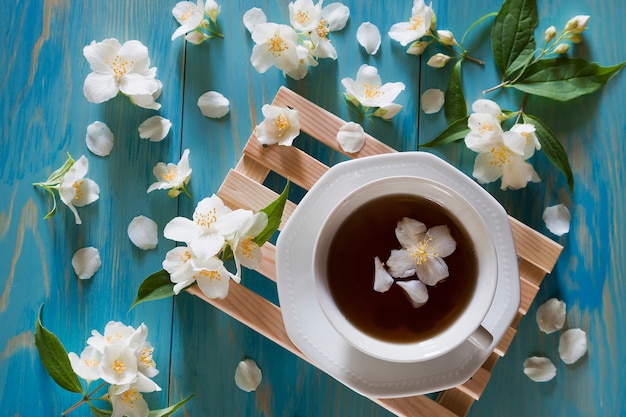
467, 326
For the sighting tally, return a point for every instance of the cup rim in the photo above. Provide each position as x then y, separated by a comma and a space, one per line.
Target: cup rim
460, 330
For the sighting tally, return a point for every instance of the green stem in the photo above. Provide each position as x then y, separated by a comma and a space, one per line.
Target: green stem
521, 110
84, 400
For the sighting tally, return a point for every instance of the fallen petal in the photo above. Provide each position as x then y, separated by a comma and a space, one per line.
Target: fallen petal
156, 128
99, 139
432, 100
253, 17
351, 137
142, 231
213, 104
86, 261
368, 36
416, 291
572, 345
539, 369
248, 375
382, 279
557, 219
551, 316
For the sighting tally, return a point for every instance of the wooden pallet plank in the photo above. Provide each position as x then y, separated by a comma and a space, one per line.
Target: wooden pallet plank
475, 386
505, 341
251, 168
417, 406
310, 115
455, 400
534, 247
288, 161
528, 292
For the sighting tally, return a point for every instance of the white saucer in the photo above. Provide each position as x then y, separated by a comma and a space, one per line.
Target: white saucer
306, 324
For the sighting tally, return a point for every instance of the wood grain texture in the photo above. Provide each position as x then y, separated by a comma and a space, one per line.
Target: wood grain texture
44, 115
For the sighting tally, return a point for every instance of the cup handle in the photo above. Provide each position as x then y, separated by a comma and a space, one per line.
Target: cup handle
481, 338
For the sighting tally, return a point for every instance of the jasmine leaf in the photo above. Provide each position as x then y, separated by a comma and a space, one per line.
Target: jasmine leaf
454, 132
54, 358
169, 410
98, 412
512, 34
564, 78
552, 148
274, 213
155, 287
454, 105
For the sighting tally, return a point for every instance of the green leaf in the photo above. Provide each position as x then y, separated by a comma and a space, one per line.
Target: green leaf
57, 176
454, 132
169, 410
512, 34
98, 412
454, 105
155, 287
54, 358
564, 78
552, 148
274, 213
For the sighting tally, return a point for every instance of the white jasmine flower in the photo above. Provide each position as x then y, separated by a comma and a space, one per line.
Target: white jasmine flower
417, 48
281, 126
432, 100
388, 111
382, 279
253, 17
561, 48
416, 291
446, 37
539, 369
417, 26
248, 375
275, 45
118, 365
551, 316
155, 128
422, 251
212, 224
322, 47
142, 231
189, 15
212, 9
572, 345
213, 104
306, 60
351, 137
99, 139
528, 131
212, 277
115, 333
129, 403
368, 90
173, 177
577, 24
86, 262
118, 68
75, 190
87, 365
557, 219
550, 34
245, 251
438, 60
490, 107
368, 37
177, 263
304, 16
196, 37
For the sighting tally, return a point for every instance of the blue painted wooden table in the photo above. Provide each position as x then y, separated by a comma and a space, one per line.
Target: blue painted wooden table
45, 115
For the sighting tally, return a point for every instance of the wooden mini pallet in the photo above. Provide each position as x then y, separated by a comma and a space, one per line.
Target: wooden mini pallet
243, 188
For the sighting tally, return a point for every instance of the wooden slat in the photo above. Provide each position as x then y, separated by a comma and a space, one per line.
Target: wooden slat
456, 401
530, 272
251, 168
238, 190
505, 341
417, 406
288, 161
534, 247
491, 361
310, 116
528, 293
268, 263
475, 386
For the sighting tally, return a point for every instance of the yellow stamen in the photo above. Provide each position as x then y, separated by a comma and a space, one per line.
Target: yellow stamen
282, 124
322, 29
302, 17
247, 247
423, 251
205, 219
90, 363
78, 192
185, 256
372, 91
119, 67
485, 127
416, 22
277, 45
187, 14
146, 358
205, 273
130, 396
118, 366
171, 173
500, 156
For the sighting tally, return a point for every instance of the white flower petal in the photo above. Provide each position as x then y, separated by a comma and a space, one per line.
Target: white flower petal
213, 104
432, 100
442, 241
351, 137
432, 271
416, 291
401, 264
99, 88
368, 36
142, 231
539, 369
248, 375
409, 232
337, 15
382, 279
87, 192
253, 17
551, 316
99, 139
156, 128
557, 219
86, 261
572, 345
